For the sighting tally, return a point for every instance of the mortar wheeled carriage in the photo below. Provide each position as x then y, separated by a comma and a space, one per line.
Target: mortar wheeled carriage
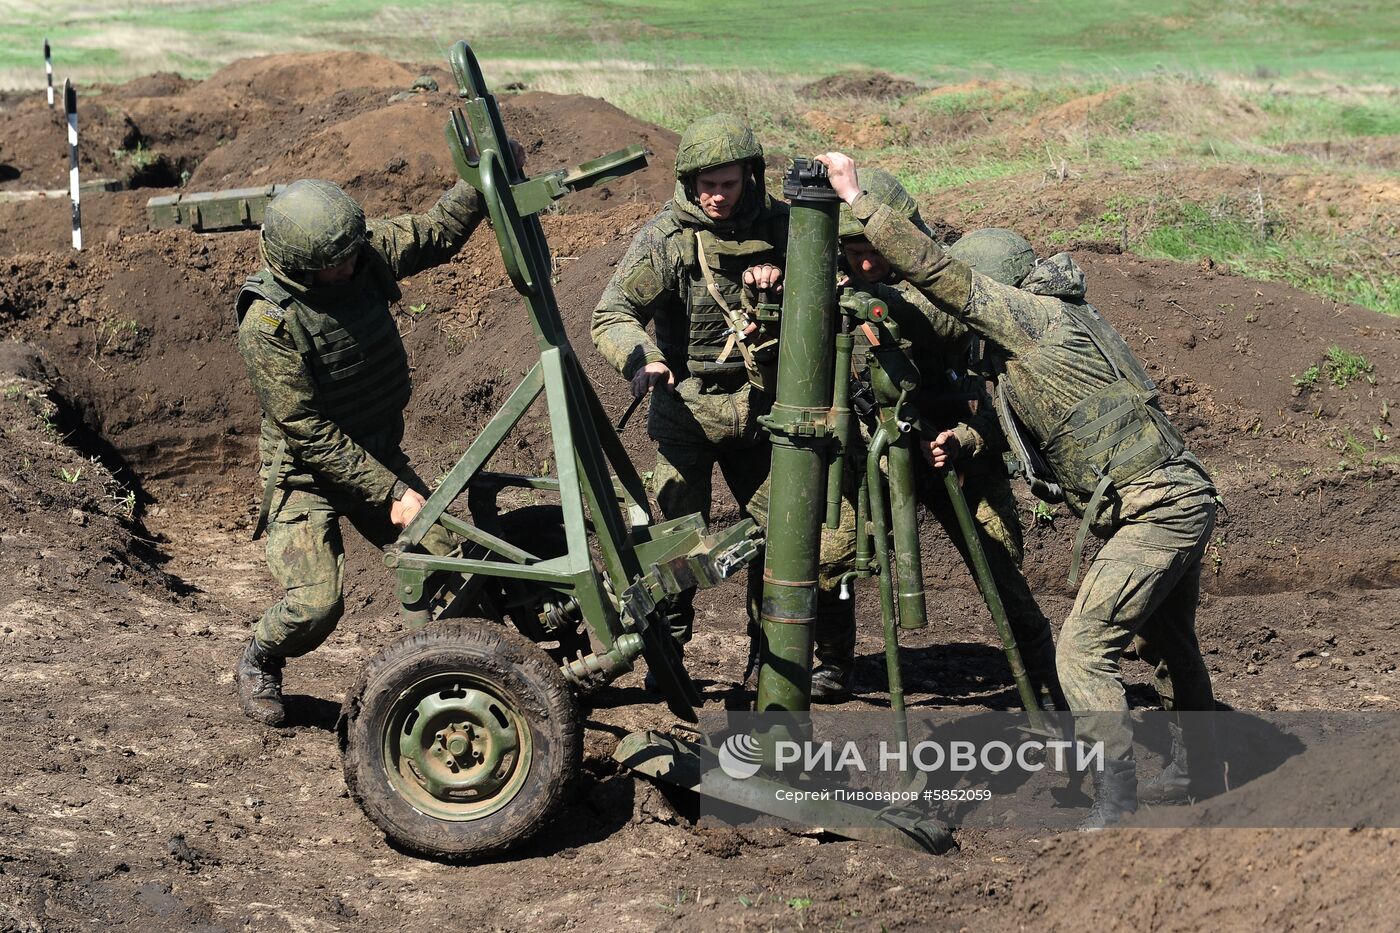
461, 738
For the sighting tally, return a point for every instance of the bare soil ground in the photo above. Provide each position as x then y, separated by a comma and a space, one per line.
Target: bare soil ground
134, 794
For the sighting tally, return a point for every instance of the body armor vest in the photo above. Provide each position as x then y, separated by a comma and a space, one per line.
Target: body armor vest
707, 329
355, 356
1115, 434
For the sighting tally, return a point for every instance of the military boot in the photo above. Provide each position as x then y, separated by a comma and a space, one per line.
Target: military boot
1045, 682
1173, 784
835, 653
1115, 795
831, 684
258, 678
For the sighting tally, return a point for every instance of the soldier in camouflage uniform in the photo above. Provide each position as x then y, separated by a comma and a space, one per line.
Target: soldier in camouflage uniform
966, 438
332, 378
1085, 404
693, 272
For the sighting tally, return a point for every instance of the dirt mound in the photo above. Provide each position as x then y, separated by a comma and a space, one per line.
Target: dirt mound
69, 523
876, 85
294, 80
392, 155
343, 116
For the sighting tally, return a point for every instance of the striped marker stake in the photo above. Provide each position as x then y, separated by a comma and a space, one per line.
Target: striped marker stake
48, 71
70, 109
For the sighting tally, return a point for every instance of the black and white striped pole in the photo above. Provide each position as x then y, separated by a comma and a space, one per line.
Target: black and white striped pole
70, 109
48, 71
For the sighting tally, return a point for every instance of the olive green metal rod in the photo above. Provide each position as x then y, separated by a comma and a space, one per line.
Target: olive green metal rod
992, 598
874, 481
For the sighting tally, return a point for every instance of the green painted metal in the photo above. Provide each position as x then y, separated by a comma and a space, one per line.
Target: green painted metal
616, 565
800, 427
211, 211
894, 379
875, 483
987, 584
456, 748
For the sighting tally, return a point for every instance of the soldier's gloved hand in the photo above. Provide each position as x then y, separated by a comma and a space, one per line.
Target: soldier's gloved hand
841, 171
651, 376
403, 510
942, 451
764, 277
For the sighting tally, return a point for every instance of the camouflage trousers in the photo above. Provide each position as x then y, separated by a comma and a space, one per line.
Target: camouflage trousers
695, 428
701, 426
306, 555
1141, 589
993, 507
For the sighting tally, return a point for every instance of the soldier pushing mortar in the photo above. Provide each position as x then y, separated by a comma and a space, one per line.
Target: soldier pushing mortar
332, 379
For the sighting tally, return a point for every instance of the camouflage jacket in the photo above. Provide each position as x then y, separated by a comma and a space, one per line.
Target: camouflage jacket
941, 347
1051, 360
287, 359
658, 281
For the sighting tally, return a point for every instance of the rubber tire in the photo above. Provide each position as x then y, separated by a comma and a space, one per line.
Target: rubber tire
533, 685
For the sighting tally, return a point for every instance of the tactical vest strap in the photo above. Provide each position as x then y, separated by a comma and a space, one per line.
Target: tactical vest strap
738, 321
264, 286
1033, 467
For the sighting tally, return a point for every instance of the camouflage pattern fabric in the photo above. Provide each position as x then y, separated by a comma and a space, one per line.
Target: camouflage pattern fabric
887, 190
1144, 582
281, 362
694, 431
712, 417
716, 140
1001, 255
331, 467
306, 555
1142, 588
312, 224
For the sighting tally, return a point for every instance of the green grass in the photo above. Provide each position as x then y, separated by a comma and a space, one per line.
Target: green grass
1254, 247
1345, 367
1316, 117
1104, 38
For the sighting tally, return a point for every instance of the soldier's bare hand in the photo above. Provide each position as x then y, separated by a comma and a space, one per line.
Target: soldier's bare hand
652, 376
764, 277
841, 170
942, 451
403, 510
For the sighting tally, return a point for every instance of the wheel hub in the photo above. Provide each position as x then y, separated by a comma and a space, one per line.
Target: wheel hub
456, 749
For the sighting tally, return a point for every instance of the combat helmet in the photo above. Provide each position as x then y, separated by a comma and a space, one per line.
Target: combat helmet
887, 191
1003, 255
309, 226
717, 140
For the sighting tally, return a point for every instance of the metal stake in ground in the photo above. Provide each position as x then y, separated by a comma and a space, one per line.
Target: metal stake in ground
48, 71
70, 109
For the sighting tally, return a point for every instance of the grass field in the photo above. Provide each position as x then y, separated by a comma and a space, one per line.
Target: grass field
935, 39
1151, 114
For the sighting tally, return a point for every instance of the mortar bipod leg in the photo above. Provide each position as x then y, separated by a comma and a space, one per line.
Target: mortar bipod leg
874, 480
987, 585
